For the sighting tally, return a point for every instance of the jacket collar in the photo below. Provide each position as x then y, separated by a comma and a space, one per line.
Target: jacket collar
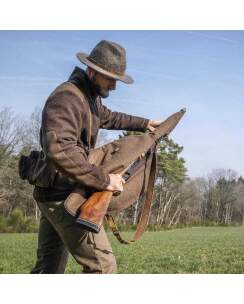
79, 78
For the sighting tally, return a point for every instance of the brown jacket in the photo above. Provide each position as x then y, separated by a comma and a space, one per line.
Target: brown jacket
71, 120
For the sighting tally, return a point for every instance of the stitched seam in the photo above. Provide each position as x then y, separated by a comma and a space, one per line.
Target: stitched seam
96, 248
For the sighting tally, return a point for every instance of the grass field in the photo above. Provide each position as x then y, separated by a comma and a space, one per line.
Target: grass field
190, 250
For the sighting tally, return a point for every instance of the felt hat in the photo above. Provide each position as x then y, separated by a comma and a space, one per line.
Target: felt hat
108, 58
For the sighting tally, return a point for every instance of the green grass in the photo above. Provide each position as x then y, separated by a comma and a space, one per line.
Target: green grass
189, 250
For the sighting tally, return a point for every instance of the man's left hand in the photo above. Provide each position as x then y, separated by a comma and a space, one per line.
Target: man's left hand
153, 124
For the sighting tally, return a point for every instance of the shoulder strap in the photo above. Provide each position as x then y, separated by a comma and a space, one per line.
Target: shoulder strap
76, 90
145, 212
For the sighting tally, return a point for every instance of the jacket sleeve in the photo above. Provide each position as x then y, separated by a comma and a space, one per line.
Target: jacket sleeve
62, 120
121, 121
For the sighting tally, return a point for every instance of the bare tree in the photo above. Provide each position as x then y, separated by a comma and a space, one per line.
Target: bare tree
11, 128
224, 199
166, 203
30, 139
239, 204
190, 202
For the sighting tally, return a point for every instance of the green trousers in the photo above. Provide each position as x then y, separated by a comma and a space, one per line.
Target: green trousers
60, 235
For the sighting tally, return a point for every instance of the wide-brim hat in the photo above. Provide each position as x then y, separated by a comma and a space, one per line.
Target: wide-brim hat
107, 58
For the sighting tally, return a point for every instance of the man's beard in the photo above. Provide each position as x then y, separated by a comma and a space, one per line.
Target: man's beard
100, 92
97, 89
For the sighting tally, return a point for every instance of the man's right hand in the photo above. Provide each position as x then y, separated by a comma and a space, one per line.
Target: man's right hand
116, 182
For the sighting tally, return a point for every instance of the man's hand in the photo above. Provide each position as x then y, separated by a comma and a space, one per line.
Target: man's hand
153, 124
116, 182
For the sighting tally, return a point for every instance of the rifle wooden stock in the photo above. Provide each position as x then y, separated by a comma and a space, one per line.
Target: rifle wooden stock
93, 211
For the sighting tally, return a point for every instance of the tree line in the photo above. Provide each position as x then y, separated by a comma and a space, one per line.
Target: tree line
179, 200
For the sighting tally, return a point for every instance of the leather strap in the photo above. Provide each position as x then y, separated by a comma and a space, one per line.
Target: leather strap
83, 98
142, 224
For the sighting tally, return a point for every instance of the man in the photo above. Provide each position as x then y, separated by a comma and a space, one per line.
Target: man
71, 119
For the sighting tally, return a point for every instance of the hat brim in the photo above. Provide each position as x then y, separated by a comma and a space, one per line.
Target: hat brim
84, 59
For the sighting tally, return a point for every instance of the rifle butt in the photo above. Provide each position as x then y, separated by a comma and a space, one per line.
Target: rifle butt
92, 212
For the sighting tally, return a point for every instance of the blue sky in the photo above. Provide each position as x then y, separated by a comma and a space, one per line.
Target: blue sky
200, 70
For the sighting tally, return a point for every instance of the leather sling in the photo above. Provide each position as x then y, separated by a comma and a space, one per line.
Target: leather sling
142, 224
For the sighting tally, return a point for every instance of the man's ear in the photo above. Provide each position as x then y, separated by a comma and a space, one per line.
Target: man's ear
89, 72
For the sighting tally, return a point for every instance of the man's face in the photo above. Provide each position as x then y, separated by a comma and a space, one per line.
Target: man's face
103, 84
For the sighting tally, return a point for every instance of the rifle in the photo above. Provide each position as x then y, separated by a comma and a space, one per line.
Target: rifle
93, 211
